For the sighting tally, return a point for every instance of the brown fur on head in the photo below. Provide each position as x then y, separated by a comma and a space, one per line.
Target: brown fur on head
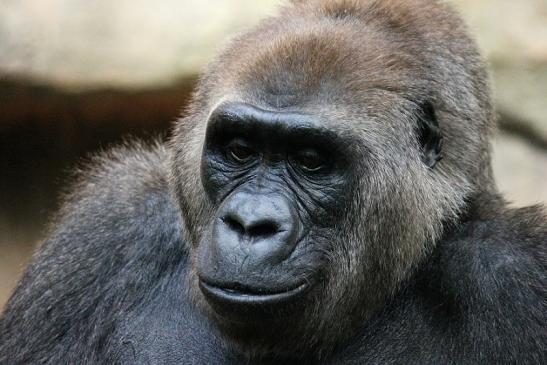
366, 67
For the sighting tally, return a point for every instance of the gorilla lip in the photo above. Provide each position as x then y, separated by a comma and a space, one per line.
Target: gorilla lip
231, 295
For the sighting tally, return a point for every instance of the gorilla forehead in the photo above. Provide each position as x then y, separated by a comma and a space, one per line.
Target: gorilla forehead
308, 54
319, 62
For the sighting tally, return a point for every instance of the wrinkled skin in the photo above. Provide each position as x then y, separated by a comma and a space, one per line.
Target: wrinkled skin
327, 198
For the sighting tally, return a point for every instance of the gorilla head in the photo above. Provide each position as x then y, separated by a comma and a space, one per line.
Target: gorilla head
309, 170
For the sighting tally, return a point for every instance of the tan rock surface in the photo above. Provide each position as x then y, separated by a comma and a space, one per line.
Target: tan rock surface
121, 43
520, 170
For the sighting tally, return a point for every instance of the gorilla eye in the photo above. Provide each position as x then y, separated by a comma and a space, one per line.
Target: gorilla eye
239, 151
310, 160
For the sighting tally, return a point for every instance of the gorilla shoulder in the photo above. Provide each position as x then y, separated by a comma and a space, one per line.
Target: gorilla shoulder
118, 215
507, 245
123, 198
497, 262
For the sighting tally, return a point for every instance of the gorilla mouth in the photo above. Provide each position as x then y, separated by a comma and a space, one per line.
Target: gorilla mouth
242, 295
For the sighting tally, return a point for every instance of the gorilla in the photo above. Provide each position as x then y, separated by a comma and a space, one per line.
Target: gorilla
327, 199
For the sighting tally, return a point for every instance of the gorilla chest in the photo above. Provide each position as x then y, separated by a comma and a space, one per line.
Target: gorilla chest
159, 334
167, 330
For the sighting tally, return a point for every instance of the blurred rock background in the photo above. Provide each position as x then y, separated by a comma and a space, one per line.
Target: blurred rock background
78, 76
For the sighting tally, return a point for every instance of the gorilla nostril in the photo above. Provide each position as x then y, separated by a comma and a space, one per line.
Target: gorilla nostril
263, 229
234, 224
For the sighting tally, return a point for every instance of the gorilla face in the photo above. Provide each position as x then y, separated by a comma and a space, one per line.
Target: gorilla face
302, 224
279, 186
308, 176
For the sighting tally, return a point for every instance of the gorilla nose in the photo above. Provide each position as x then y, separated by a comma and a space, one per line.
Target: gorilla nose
252, 227
263, 227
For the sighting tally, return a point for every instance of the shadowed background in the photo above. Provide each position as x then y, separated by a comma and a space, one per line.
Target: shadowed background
79, 76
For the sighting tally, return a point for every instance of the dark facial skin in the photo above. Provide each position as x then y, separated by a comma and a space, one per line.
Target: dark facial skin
276, 180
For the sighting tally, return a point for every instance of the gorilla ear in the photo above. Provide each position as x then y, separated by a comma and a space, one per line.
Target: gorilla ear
429, 135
